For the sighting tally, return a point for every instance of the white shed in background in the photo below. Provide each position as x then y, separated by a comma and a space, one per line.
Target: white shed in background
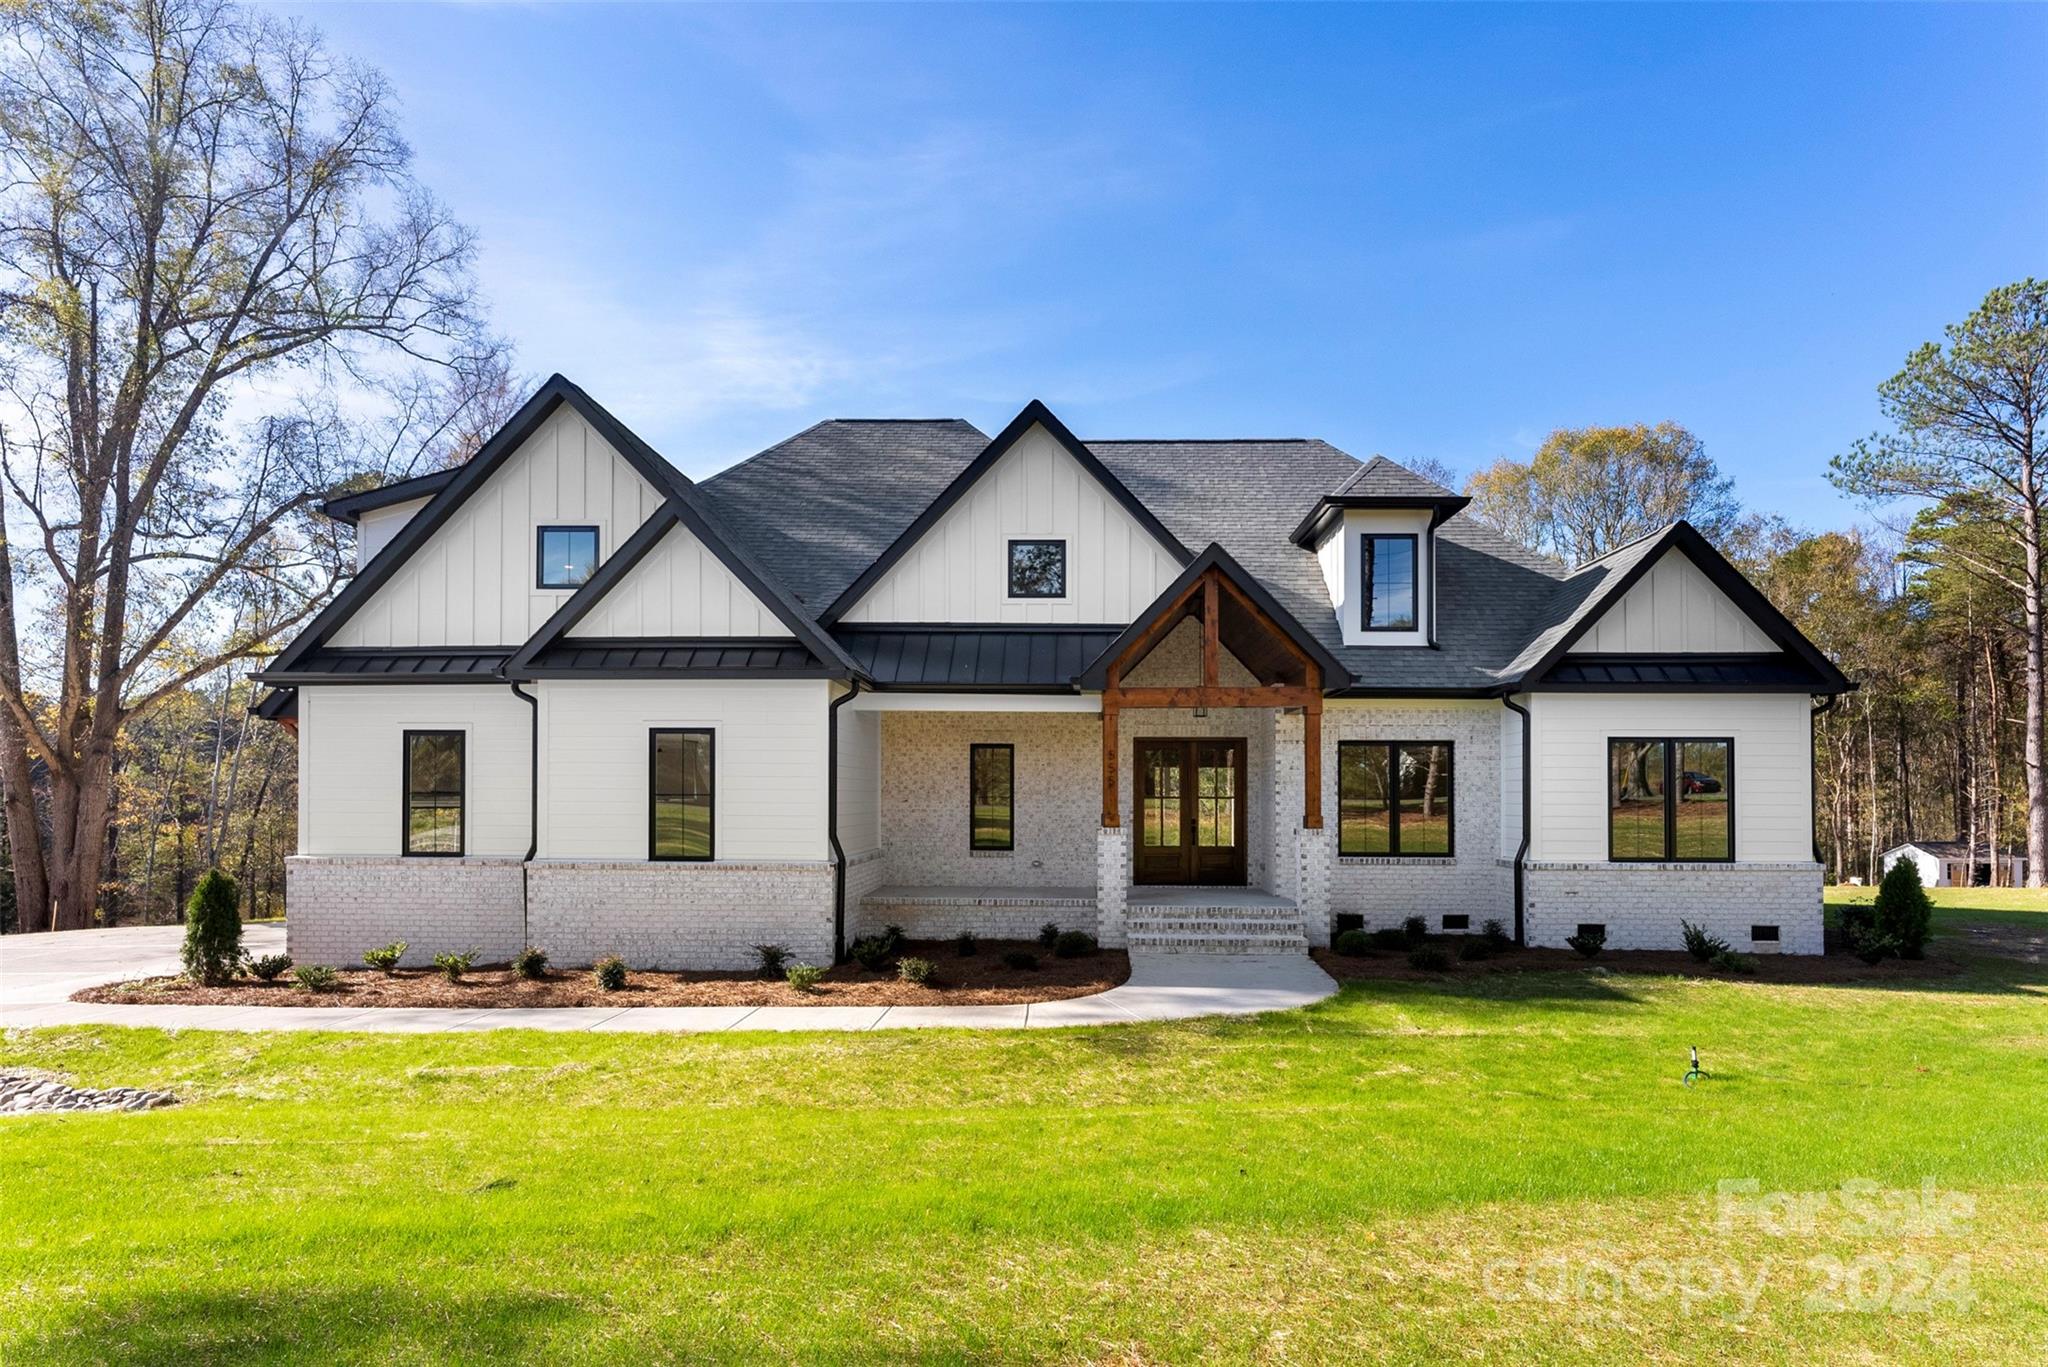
1956, 864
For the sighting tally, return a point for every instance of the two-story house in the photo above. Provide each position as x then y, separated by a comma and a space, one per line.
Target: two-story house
1184, 694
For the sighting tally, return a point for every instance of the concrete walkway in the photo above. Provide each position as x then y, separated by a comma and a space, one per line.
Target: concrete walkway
39, 972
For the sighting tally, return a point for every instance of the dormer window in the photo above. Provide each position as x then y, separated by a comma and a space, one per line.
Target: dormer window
567, 557
1038, 569
1387, 563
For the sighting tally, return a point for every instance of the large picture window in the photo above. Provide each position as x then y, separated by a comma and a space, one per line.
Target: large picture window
1394, 798
433, 792
1388, 583
991, 788
681, 812
1670, 800
567, 556
1038, 569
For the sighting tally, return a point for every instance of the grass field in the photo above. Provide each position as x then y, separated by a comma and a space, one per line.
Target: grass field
1503, 1169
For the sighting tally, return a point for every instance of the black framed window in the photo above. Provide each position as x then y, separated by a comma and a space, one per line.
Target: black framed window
433, 793
1038, 569
681, 812
991, 788
1388, 582
1670, 799
565, 557
1395, 798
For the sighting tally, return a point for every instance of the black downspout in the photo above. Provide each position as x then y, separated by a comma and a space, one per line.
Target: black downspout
1812, 749
1522, 850
832, 818
532, 803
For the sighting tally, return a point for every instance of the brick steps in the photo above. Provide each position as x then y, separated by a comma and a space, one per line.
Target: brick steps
1225, 926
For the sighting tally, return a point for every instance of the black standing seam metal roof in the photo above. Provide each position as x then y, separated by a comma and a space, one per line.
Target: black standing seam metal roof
1706, 672
970, 657
600, 654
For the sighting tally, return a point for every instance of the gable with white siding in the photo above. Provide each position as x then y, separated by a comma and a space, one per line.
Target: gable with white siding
473, 582
958, 571
680, 588
1674, 608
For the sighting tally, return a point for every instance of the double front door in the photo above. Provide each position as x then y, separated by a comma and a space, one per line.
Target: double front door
1190, 811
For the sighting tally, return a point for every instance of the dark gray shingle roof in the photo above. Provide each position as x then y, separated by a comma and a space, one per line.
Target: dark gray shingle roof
1381, 478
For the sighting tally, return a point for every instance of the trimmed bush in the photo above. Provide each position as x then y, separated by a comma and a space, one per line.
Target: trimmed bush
804, 977
316, 978
531, 962
1496, 935
1429, 959
609, 972
1023, 960
1870, 944
1353, 944
1730, 962
773, 957
386, 958
453, 965
1589, 942
1072, 944
270, 967
1703, 946
1389, 939
213, 929
871, 952
967, 944
1048, 935
1415, 929
1475, 948
912, 969
1902, 910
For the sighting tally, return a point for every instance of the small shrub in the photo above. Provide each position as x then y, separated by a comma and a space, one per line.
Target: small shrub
1353, 944
1415, 930
773, 957
967, 944
912, 969
1730, 962
386, 959
1048, 935
1476, 947
1589, 942
270, 967
453, 965
1072, 944
609, 973
1389, 939
213, 929
1496, 936
531, 962
893, 936
1429, 959
1702, 945
804, 977
1902, 910
871, 952
1870, 944
1857, 916
1023, 960
316, 978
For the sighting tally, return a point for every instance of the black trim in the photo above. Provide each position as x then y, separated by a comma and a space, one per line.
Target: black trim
1763, 935
654, 735
1335, 675
1010, 568
1674, 778
1010, 802
832, 819
1034, 414
540, 537
1330, 507
1528, 822
349, 508
279, 704
1394, 850
1365, 560
405, 793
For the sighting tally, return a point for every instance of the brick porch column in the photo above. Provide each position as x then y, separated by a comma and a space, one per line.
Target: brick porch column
1112, 884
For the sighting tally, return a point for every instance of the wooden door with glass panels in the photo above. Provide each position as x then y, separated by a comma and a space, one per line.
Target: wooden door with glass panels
1190, 811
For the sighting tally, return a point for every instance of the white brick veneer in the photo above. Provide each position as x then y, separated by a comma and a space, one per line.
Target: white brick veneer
1641, 905
340, 906
866, 871
1112, 883
1015, 915
680, 915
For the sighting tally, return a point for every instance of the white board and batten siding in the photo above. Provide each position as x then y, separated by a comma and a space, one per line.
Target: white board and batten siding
1772, 757
768, 765
1674, 608
680, 588
860, 780
375, 528
473, 583
352, 765
959, 570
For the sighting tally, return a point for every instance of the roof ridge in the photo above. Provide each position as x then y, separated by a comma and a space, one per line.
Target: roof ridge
1605, 556
1201, 441
767, 451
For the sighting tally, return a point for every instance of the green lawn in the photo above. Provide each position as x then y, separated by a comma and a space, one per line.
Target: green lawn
1501, 1169
2012, 906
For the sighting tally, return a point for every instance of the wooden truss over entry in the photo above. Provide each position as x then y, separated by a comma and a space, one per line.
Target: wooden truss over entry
1235, 614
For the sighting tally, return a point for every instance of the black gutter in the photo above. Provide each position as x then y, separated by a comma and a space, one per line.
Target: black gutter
1522, 850
832, 818
532, 804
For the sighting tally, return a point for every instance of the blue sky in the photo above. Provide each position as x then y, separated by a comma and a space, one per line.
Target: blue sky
1428, 232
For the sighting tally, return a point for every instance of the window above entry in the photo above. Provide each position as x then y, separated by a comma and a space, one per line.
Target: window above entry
567, 557
1038, 568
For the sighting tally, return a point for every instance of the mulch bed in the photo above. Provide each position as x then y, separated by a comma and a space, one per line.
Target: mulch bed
1769, 968
981, 979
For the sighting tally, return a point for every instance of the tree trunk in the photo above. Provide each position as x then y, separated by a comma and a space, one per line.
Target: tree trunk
78, 838
2037, 716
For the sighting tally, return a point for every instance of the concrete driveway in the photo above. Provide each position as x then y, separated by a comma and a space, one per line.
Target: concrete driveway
49, 967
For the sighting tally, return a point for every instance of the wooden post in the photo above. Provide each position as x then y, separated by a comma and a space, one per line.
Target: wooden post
1110, 815
1212, 651
1312, 753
